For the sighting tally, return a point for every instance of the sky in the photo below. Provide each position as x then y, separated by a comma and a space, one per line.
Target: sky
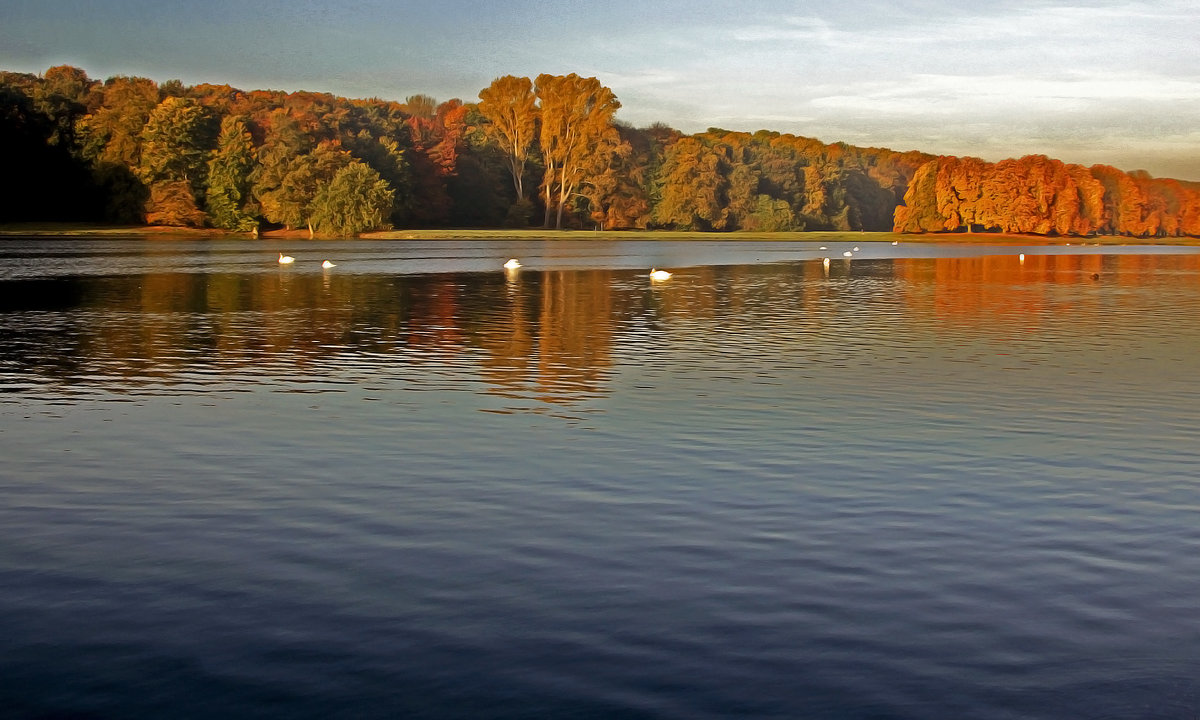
1100, 81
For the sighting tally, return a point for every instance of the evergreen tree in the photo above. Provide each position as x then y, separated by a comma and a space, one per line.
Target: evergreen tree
228, 192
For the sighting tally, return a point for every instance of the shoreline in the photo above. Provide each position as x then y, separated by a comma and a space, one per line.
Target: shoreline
159, 231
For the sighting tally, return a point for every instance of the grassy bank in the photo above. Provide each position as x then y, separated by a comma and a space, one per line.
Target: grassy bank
814, 236
83, 230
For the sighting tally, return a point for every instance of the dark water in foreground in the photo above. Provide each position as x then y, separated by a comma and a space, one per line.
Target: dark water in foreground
932, 482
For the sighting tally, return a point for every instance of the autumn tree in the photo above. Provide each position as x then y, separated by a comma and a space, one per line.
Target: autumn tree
1033, 194
422, 107
510, 106
693, 187
616, 193
576, 120
63, 95
109, 139
112, 132
919, 213
1124, 203
172, 202
430, 170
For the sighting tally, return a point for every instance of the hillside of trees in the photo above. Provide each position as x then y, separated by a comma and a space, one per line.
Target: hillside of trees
543, 152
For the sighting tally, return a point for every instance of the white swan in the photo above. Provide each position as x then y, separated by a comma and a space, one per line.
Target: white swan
327, 265
512, 264
286, 259
847, 254
659, 274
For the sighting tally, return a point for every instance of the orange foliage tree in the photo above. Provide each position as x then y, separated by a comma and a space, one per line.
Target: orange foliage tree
576, 121
1043, 196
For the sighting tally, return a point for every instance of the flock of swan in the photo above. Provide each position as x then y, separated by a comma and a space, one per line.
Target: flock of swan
656, 275
511, 265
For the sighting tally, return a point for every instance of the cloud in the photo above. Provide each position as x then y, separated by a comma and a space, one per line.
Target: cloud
789, 30
964, 94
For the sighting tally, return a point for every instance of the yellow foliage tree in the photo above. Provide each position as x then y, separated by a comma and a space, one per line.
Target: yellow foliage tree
577, 119
511, 107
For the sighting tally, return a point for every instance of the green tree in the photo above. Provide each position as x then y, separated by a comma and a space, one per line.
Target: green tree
357, 199
388, 158
290, 203
176, 142
228, 193
284, 144
176, 145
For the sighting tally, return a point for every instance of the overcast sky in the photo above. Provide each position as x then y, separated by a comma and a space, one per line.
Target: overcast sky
1091, 81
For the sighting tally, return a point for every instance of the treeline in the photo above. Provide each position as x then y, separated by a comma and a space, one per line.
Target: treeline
1040, 195
128, 150
543, 151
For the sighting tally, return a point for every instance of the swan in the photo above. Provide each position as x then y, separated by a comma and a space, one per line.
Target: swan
847, 254
855, 248
656, 274
512, 264
327, 265
286, 259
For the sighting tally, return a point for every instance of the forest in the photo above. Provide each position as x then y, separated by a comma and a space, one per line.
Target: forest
530, 152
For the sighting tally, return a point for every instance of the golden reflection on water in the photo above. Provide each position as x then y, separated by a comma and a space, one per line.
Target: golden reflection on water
551, 336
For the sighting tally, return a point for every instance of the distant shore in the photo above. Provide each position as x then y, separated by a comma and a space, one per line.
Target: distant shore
152, 231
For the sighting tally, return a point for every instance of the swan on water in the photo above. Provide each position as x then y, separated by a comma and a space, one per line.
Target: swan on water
656, 274
286, 259
512, 264
847, 254
327, 265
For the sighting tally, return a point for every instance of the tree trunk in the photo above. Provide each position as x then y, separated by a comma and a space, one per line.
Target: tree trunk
563, 194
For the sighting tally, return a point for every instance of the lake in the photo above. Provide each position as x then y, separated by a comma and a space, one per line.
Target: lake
928, 481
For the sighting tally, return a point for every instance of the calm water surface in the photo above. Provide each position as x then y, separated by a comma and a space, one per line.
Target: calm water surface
930, 482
